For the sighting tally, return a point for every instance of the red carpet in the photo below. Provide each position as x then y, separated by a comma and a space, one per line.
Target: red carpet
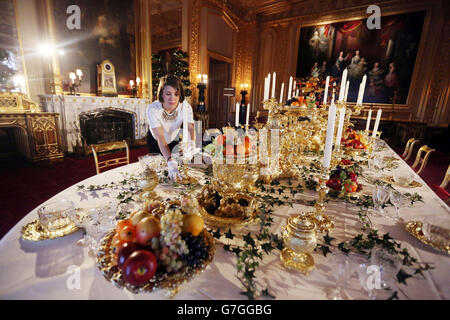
25, 185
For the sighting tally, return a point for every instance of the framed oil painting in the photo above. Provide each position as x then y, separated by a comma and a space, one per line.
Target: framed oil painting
386, 55
107, 32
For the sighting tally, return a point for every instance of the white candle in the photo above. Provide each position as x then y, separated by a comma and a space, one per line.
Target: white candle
265, 89
343, 85
248, 114
346, 91
296, 93
289, 93
273, 85
362, 87
332, 97
325, 95
340, 126
268, 86
377, 122
369, 116
330, 134
237, 114
281, 92
185, 124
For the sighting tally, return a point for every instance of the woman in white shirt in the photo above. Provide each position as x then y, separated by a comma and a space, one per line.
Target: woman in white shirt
165, 117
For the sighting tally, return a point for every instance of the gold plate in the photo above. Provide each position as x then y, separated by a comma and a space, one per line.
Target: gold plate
387, 158
33, 231
415, 228
390, 180
170, 282
303, 262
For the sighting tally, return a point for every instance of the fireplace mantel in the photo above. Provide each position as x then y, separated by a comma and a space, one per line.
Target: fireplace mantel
70, 107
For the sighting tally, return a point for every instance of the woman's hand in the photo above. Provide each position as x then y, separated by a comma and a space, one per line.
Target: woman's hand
174, 173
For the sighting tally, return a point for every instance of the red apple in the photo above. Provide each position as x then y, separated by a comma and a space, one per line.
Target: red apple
147, 229
139, 267
125, 250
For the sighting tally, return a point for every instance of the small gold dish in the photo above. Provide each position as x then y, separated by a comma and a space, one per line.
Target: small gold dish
33, 231
413, 184
291, 261
415, 229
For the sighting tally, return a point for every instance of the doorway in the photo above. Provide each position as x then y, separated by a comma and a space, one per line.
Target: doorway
218, 104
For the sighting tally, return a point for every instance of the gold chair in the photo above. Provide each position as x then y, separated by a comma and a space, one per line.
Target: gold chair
103, 148
409, 149
377, 135
444, 183
422, 161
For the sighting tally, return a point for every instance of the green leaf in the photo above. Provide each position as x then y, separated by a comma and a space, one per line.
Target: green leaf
217, 234
248, 239
227, 248
229, 234
325, 250
267, 247
237, 251
328, 239
402, 276
266, 293
249, 294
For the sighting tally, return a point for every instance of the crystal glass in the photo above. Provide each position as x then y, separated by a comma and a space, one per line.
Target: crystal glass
436, 230
97, 223
397, 200
388, 266
342, 271
152, 160
403, 179
54, 216
380, 196
364, 276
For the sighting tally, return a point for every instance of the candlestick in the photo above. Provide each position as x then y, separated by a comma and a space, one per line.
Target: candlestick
281, 93
273, 85
377, 122
325, 95
329, 138
340, 126
289, 93
343, 85
237, 114
131, 83
247, 115
138, 80
369, 116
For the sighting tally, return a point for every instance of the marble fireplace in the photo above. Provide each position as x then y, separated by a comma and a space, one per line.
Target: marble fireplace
85, 120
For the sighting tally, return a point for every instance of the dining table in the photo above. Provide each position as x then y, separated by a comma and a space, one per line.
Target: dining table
45, 269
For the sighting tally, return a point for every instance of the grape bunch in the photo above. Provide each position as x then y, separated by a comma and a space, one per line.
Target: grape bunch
197, 250
172, 245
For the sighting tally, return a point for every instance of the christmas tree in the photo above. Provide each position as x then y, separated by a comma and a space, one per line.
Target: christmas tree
173, 63
6, 71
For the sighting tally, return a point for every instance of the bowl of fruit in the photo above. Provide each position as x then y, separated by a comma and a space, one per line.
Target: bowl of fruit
160, 246
343, 182
354, 142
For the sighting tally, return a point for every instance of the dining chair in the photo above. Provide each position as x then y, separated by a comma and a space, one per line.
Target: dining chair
440, 189
409, 149
102, 149
377, 135
422, 161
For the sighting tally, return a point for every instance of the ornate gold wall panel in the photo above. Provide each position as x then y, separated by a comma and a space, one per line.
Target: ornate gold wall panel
194, 32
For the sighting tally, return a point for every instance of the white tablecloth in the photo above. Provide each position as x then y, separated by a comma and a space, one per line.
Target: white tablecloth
41, 270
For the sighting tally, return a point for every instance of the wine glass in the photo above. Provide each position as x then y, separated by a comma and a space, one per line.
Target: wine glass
388, 265
382, 196
397, 200
342, 272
